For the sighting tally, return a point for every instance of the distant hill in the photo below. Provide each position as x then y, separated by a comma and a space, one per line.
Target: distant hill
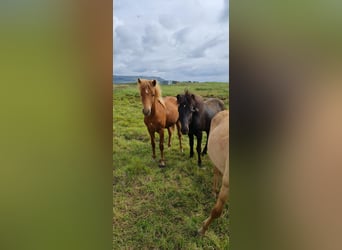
119, 79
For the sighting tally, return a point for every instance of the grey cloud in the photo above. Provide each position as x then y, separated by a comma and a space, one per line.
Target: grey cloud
152, 38
181, 35
200, 50
167, 21
224, 17
125, 39
177, 40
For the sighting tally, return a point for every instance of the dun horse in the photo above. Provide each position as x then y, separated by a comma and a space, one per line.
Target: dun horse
195, 116
218, 150
159, 113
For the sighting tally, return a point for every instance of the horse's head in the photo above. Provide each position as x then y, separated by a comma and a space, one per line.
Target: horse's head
148, 93
186, 108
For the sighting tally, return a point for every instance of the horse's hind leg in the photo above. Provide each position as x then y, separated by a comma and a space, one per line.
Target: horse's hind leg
217, 209
178, 125
206, 145
169, 131
215, 181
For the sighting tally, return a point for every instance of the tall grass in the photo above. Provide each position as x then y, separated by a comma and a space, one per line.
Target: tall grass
157, 208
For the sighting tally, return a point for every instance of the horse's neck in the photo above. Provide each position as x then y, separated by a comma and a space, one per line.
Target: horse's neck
157, 102
160, 100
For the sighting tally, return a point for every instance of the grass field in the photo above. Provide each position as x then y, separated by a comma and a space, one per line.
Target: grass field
157, 208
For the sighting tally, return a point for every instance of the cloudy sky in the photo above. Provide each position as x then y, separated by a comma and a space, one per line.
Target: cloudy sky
172, 39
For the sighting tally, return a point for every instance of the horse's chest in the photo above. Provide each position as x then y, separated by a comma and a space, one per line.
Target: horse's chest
196, 125
155, 124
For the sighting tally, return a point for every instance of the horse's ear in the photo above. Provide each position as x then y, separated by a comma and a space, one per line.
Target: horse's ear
178, 97
193, 96
154, 83
139, 81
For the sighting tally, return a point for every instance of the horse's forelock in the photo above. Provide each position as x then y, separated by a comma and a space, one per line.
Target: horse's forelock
143, 84
188, 97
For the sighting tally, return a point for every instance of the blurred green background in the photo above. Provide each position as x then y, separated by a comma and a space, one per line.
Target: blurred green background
56, 124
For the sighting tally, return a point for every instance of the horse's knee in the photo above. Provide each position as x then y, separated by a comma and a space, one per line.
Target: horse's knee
217, 210
222, 198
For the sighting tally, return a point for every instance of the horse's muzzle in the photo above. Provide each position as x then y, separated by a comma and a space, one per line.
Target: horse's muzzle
185, 131
146, 112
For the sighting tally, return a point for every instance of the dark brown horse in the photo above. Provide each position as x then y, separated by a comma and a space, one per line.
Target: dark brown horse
159, 113
195, 116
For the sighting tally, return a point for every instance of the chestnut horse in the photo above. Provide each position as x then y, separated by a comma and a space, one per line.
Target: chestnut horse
218, 151
159, 113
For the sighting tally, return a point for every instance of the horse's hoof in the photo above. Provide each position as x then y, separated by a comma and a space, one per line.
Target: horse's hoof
162, 164
204, 153
201, 231
214, 194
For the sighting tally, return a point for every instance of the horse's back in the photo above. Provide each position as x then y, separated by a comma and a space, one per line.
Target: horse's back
212, 107
171, 101
214, 104
218, 142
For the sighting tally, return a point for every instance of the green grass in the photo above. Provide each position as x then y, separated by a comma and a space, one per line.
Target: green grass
157, 208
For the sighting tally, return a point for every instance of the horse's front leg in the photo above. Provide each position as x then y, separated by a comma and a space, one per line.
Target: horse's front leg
191, 142
206, 145
152, 144
198, 148
161, 147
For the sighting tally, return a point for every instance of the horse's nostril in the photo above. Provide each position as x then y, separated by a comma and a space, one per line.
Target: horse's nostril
184, 131
146, 112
